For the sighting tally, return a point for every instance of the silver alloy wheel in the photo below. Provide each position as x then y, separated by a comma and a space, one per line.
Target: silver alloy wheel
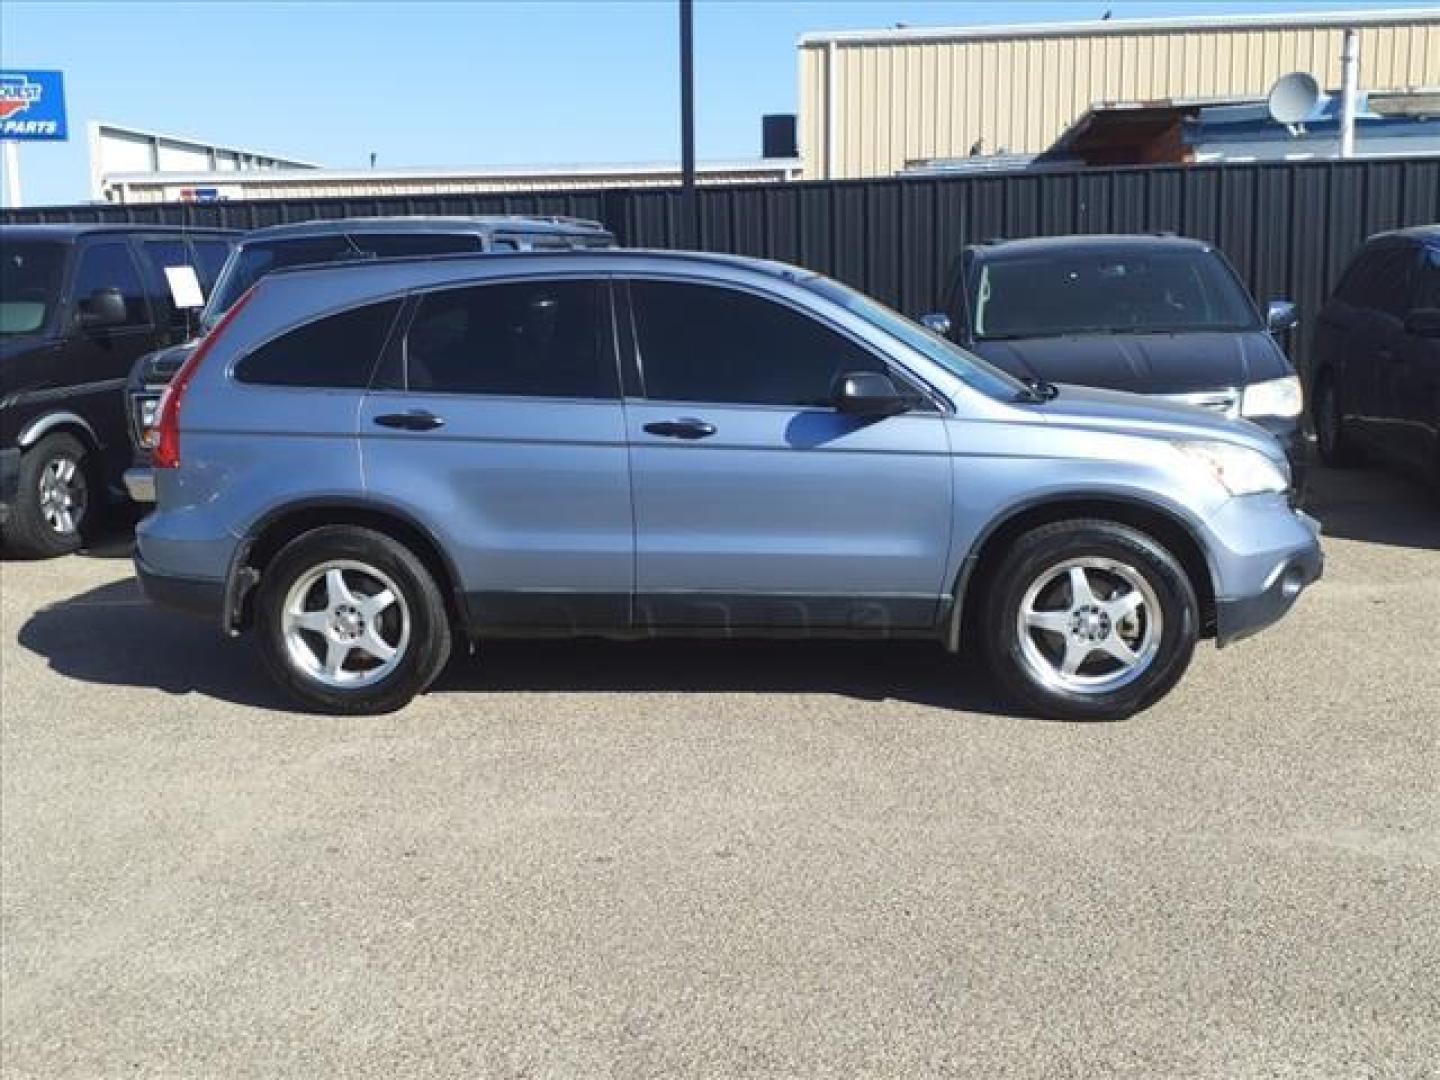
346, 624
63, 495
1089, 626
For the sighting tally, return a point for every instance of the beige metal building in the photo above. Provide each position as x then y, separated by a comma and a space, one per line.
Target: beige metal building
153, 187
115, 148
871, 100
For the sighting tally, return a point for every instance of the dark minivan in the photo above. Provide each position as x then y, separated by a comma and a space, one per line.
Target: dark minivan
1377, 356
310, 243
78, 305
1162, 315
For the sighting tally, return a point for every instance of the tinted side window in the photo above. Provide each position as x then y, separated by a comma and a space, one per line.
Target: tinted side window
111, 266
534, 339
1355, 281
163, 253
1427, 288
391, 245
1380, 279
1394, 277
338, 351
702, 343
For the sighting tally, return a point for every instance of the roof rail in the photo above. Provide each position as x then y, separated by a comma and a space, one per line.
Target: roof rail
562, 219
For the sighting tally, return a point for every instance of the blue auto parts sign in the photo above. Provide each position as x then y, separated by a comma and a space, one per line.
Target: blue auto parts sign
32, 105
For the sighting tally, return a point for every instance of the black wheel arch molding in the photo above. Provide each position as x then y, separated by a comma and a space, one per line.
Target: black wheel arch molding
265, 537
1123, 507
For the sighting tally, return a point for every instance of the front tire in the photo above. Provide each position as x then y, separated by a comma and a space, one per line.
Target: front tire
55, 500
351, 621
1089, 620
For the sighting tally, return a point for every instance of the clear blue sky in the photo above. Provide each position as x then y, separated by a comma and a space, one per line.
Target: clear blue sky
454, 83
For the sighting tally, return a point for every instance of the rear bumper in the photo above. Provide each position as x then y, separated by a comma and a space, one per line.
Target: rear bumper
140, 484
195, 596
1237, 618
9, 480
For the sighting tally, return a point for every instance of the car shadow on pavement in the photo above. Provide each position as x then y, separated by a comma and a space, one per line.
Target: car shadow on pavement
921, 673
1374, 507
112, 636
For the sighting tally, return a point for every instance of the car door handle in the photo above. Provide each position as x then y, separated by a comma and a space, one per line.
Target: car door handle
414, 420
686, 427
1386, 354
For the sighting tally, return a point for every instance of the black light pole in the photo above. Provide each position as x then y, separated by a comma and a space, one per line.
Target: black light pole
687, 122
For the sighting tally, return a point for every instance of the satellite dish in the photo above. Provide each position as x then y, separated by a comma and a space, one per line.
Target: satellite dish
1294, 98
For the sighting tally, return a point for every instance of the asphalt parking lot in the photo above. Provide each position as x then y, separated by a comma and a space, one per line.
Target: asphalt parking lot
726, 859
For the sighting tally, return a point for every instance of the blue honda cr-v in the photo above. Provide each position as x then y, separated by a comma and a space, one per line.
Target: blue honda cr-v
364, 462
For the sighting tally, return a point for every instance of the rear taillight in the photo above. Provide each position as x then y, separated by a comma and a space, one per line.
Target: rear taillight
167, 423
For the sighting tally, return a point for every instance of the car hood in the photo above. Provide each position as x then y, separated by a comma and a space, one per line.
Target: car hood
1143, 363
1139, 414
155, 370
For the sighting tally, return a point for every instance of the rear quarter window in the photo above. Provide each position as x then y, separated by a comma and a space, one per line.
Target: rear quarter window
335, 352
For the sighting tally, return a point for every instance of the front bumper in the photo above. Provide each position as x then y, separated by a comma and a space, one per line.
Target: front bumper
1238, 617
9, 480
195, 596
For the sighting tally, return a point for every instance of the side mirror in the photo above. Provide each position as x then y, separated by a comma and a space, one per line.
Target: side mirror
102, 308
1423, 322
937, 322
1280, 315
869, 393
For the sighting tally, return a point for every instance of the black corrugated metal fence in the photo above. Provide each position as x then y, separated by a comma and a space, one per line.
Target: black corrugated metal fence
1288, 227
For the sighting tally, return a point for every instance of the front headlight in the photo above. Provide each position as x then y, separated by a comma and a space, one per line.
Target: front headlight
1277, 397
1241, 470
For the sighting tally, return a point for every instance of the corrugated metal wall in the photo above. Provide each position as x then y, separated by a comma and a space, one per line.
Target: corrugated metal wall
906, 99
1288, 228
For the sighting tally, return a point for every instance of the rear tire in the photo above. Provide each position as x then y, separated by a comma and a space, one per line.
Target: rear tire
55, 500
1336, 447
1089, 620
351, 622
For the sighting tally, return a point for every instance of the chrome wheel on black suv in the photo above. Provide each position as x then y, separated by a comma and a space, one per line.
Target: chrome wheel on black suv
351, 621
1090, 619
56, 498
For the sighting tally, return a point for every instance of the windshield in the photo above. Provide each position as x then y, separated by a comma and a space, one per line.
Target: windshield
30, 272
1109, 291
965, 366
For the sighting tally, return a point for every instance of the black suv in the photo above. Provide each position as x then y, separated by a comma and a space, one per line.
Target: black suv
1377, 356
335, 240
78, 305
1150, 314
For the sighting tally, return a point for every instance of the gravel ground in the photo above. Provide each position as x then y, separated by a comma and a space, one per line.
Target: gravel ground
726, 860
